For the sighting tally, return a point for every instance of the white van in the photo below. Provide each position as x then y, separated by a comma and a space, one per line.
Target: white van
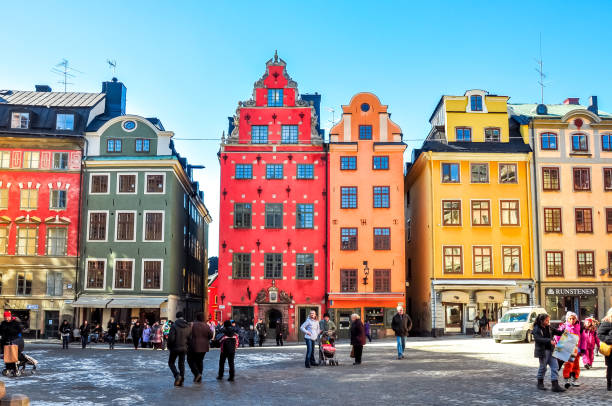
517, 324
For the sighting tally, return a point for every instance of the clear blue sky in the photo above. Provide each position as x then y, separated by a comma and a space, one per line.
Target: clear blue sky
189, 65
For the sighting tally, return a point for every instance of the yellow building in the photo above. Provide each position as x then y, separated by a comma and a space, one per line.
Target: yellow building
468, 216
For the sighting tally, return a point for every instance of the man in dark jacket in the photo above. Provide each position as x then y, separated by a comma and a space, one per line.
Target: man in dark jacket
84, 331
178, 340
401, 325
228, 345
262, 331
199, 344
65, 330
11, 332
111, 329
136, 333
604, 333
279, 332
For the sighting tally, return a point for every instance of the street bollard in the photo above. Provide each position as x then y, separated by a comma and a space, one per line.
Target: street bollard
15, 400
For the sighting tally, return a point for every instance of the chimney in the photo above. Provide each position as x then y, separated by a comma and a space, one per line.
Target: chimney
230, 126
572, 100
115, 97
593, 108
42, 88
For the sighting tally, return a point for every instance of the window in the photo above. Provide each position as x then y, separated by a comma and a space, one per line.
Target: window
365, 132
142, 145
29, 199
95, 274
507, 173
154, 226
304, 266
348, 197
582, 179
380, 163
554, 263
4, 198
24, 283
4, 237
450, 173
382, 238
305, 216
273, 266
548, 141
55, 283
242, 215
155, 183
482, 260
382, 280
511, 259
552, 220
289, 134
274, 171
509, 212
609, 266
480, 173
348, 163
60, 160
463, 134
519, 300
609, 220
123, 274
452, 260
606, 142
127, 184
5, 159
152, 270
259, 134
348, 239
586, 264
348, 280
492, 135
125, 226
97, 226
481, 213
27, 240
451, 212
580, 143
57, 241
244, 171
31, 159
241, 266
550, 178
607, 178
113, 145
64, 122
20, 120
99, 183
274, 215
305, 171
381, 197
275, 97
476, 103
584, 220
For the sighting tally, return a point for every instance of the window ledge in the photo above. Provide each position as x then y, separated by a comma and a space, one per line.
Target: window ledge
583, 154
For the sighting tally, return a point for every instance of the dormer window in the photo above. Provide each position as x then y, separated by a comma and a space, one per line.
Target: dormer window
275, 97
64, 122
492, 135
476, 103
142, 145
113, 145
20, 120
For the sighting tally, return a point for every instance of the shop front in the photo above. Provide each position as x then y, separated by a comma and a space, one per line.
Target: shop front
586, 300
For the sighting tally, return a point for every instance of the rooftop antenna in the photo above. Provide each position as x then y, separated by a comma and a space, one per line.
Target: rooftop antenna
540, 70
112, 65
333, 120
63, 69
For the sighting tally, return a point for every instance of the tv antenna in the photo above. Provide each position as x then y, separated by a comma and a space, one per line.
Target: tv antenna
63, 69
333, 119
540, 70
112, 65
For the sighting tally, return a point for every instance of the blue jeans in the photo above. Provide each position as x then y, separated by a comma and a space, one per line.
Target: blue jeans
310, 359
401, 345
548, 360
65, 341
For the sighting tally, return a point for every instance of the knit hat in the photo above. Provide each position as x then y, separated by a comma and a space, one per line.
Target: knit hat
7, 315
227, 324
570, 314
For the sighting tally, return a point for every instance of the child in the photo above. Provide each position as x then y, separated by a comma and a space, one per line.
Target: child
590, 341
571, 369
544, 345
228, 344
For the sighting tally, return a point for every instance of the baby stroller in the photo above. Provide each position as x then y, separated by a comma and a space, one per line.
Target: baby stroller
21, 370
327, 349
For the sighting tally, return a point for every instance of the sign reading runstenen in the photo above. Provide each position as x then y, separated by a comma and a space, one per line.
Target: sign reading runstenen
572, 291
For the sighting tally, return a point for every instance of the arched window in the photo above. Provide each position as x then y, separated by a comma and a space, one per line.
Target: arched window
580, 142
548, 141
476, 103
519, 299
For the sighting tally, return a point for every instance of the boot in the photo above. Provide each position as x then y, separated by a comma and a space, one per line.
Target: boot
567, 383
541, 384
574, 382
556, 387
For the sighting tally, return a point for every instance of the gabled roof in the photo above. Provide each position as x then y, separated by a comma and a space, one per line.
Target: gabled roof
553, 110
49, 99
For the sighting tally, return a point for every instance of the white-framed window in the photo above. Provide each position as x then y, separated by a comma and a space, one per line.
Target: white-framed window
55, 283
152, 275
127, 183
31, 160
97, 225
58, 199
5, 159
153, 225
4, 198
96, 274
123, 275
20, 120
155, 183
125, 225
64, 121
60, 160
57, 240
99, 183
24, 283
28, 199
27, 239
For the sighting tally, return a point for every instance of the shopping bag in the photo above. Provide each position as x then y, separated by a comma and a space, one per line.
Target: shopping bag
605, 349
352, 352
11, 353
567, 345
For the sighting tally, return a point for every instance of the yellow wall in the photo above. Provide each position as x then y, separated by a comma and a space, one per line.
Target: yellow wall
496, 116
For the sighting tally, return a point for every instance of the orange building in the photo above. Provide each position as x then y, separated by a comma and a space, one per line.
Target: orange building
366, 230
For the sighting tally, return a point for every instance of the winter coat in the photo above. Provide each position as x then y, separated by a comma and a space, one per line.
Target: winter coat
589, 339
136, 332
201, 335
311, 329
325, 326
146, 335
262, 330
542, 337
604, 332
10, 331
156, 334
229, 343
179, 336
358, 336
84, 330
401, 324
279, 329
65, 329
112, 327
574, 329
367, 328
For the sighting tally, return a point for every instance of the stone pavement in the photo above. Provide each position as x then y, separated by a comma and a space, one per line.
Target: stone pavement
447, 371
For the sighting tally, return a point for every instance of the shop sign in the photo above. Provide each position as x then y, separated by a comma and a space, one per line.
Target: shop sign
221, 306
572, 291
32, 307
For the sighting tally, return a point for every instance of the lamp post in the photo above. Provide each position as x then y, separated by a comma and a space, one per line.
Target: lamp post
366, 272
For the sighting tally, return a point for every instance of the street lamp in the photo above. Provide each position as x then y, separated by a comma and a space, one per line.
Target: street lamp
366, 271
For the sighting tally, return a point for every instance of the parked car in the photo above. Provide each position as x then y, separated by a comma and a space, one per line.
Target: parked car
516, 324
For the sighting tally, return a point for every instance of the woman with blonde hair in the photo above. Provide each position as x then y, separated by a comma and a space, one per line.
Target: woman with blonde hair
604, 333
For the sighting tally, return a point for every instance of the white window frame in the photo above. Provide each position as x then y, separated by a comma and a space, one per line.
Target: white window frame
135, 192
521, 269
133, 261
53, 161
87, 270
23, 160
89, 220
146, 181
2, 160
51, 199
91, 175
144, 225
20, 113
64, 114
161, 276
117, 212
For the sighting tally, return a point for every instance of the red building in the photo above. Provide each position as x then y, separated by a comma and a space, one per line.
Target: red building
272, 228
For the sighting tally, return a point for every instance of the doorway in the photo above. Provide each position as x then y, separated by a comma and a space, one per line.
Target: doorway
51, 324
453, 314
274, 317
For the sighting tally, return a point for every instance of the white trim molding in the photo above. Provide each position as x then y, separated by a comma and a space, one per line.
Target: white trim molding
161, 276
133, 261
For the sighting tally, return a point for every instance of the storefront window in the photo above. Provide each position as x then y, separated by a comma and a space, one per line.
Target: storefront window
492, 311
519, 299
375, 315
558, 305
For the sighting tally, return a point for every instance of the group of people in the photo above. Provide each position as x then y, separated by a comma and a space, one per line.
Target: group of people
150, 336
589, 339
261, 332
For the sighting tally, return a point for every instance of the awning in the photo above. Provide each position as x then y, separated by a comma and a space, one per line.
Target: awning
136, 302
91, 301
455, 296
489, 296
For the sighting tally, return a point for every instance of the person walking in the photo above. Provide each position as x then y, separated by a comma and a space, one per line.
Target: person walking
401, 325
84, 331
65, 330
165, 332
571, 369
228, 345
604, 333
543, 350
358, 338
97, 333
590, 341
111, 329
279, 333
136, 333
368, 330
311, 330
146, 336
156, 336
199, 345
483, 324
262, 331
178, 344
11, 332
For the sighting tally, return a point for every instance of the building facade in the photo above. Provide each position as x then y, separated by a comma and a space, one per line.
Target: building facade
366, 212
572, 189
469, 216
272, 225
